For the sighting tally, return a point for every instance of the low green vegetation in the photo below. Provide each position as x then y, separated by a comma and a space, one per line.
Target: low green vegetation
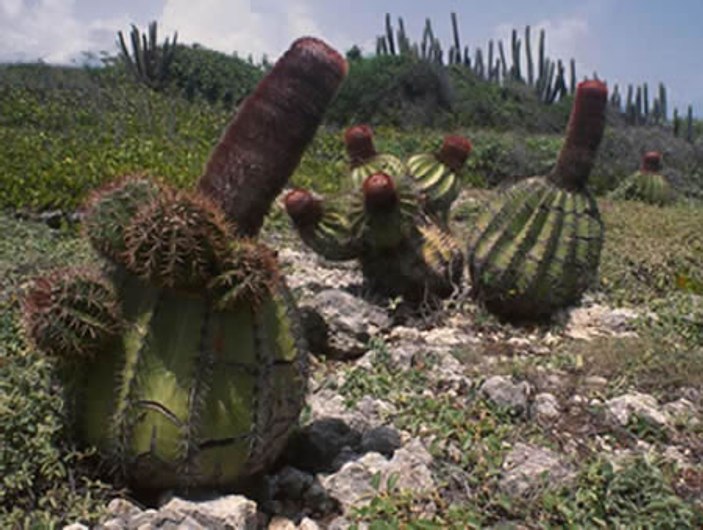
64, 132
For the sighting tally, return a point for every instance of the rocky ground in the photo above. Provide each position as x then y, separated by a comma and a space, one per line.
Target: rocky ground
410, 414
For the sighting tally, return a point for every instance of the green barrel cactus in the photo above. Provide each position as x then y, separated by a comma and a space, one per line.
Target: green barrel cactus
364, 161
183, 359
402, 252
437, 175
536, 248
648, 184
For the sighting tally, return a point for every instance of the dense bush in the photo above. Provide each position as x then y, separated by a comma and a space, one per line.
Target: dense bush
394, 90
214, 76
59, 140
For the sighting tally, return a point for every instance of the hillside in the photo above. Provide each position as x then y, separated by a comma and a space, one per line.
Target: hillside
446, 419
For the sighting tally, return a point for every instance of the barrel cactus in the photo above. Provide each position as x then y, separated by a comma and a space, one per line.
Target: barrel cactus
437, 175
536, 248
402, 252
183, 359
364, 160
648, 184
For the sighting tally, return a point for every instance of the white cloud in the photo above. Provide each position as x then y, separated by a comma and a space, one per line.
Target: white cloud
50, 30
229, 25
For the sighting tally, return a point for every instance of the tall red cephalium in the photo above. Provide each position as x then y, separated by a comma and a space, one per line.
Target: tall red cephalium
263, 144
583, 136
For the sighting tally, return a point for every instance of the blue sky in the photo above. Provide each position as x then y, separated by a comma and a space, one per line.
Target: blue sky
625, 41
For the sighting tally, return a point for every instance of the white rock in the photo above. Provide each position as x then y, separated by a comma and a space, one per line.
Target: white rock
621, 409
529, 467
545, 408
681, 412
231, 511
281, 523
409, 467
503, 392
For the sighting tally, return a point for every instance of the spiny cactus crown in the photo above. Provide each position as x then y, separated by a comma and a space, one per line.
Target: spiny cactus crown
179, 239
110, 209
71, 314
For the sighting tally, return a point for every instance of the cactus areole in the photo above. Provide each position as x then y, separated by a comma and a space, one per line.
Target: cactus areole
183, 360
536, 248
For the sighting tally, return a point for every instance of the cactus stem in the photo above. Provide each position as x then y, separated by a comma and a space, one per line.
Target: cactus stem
584, 133
263, 144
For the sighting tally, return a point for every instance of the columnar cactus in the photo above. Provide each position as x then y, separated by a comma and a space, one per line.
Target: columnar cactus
184, 361
437, 175
402, 252
537, 247
648, 184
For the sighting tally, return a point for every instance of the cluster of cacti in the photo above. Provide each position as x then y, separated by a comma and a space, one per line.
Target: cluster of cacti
647, 184
537, 246
637, 109
392, 220
183, 360
149, 61
549, 82
676, 122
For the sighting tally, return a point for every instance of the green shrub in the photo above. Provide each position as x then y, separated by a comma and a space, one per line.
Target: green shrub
393, 90
637, 495
650, 252
200, 73
57, 143
45, 479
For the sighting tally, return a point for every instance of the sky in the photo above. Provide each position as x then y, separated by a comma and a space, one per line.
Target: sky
624, 41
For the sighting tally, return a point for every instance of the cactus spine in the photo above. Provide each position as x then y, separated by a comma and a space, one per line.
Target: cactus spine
192, 362
537, 247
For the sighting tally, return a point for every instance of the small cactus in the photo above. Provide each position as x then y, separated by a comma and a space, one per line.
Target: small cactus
191, 363
402, 252
648, 184
537, 247
71, 314
437, 175
176, 240
364, 161
111, 207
